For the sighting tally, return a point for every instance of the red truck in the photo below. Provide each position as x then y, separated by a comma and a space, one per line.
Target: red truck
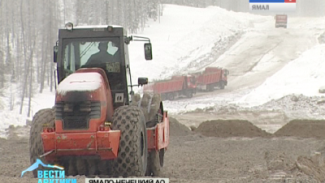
188, 85
281, 20
212, 77
173, 88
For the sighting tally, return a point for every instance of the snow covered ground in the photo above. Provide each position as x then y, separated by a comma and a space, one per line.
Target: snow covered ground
14, 118
304, 75
184, 35
266, 64
183, 41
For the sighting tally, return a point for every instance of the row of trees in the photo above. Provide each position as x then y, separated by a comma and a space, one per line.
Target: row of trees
29, 32
132, 14
26, 37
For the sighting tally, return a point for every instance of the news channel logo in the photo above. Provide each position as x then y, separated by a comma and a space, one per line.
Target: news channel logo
48, 176
278, 6
57, 175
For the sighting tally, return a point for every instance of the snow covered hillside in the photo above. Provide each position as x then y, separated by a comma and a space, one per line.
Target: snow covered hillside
304, 75
185, 35
266, 64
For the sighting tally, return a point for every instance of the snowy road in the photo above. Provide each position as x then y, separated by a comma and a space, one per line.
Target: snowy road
263, 51
260, 53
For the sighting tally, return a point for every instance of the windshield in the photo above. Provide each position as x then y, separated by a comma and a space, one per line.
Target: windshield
91, 53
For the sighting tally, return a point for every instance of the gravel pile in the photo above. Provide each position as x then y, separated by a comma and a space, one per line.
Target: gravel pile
230, 128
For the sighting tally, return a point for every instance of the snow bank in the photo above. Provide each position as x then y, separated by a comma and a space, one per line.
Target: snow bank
14, 118
183, 35
10, 118
321, 89
80, 82
304, 75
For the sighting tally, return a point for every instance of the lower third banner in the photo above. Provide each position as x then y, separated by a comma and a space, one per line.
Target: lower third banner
127, 180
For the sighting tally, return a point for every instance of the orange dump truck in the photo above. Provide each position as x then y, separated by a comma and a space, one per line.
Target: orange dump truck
212, 77
187, 85
173, 88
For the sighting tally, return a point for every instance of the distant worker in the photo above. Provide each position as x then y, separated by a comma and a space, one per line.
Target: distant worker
100, 57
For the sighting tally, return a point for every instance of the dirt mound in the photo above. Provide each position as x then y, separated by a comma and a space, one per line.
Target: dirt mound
303, 128
177, 129
230, 128
313, 166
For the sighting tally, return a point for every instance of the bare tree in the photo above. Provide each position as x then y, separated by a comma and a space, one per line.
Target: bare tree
27, 61
30, 78
26, 64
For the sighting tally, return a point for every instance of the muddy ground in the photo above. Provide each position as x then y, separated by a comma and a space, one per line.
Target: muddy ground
216, 151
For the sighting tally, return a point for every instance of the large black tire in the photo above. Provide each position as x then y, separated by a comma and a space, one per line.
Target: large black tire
81, 166
222, 85
133, 150
189, 93
162, 157
210, 87
154, 108
171, 96
41, 118
163, 97
154, 166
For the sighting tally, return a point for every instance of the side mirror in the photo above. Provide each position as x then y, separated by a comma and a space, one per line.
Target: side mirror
55, 53
127, 40
148, 51
142, 81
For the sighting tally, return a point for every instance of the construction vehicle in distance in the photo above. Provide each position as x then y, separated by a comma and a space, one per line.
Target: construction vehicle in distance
176, 87
281, 20
98, 125
188, 85
210, 78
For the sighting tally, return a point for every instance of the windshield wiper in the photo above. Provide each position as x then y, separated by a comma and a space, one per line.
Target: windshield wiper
86, 50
